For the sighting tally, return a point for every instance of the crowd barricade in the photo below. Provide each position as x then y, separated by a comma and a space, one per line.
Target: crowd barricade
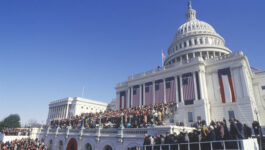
246, 144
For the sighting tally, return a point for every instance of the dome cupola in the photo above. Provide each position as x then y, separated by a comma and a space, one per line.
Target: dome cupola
195, 38
191, 13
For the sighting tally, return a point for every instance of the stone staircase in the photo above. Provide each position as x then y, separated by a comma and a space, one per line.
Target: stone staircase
169, 118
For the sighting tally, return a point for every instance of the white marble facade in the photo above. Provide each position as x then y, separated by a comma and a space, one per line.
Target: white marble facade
67, 107
199, 50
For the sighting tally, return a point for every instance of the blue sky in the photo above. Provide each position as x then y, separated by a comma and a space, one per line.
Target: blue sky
52, 49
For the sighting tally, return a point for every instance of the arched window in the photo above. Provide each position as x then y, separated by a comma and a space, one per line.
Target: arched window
50, 144
72, 144
88, 146
206, 40
185, 44
190, 43
201, 41
195, 41
61, 145
107, 147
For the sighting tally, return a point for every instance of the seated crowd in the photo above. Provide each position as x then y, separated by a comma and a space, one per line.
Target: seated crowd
15, 131
23, 144
139, 117
216, 131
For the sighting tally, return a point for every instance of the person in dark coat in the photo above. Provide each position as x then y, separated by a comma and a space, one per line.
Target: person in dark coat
175, 141
212, 135
168, 140
247, 131
239, 129
256, 126
147, 142
158, 141
233, 130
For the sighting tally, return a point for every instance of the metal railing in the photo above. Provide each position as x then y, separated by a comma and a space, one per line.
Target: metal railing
207, 145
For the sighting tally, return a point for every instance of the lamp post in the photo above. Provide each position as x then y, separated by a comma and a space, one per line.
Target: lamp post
260, 133
58, 124
122, 126
83, 123
100, 126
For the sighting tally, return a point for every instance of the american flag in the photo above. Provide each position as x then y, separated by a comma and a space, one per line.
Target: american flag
226, 85
254, 68
188, 87
170, 90
159, 92
136, 96
149, 93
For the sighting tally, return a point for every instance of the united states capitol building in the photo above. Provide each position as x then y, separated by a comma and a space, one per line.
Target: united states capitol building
205, 79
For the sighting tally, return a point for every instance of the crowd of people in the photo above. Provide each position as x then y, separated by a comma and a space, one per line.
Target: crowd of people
23, 144
139, 117
216, 131
15, 131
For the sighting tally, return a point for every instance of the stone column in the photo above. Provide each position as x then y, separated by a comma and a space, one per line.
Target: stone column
181, 88
67, 109
202, 84
131, 96
165, 95
195, 86
153, 92
128, 98
118, 96
59, 112
140, 99
176, 85
144, 94
244, 81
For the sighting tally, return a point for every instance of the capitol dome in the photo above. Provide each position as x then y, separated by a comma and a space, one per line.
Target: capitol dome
194, 26
195, 38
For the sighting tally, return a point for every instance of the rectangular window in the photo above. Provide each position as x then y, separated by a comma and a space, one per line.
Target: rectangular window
134, 91
168, 84
157, 86
231, 115
146, 89
190, 116
263, 87
184, 81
